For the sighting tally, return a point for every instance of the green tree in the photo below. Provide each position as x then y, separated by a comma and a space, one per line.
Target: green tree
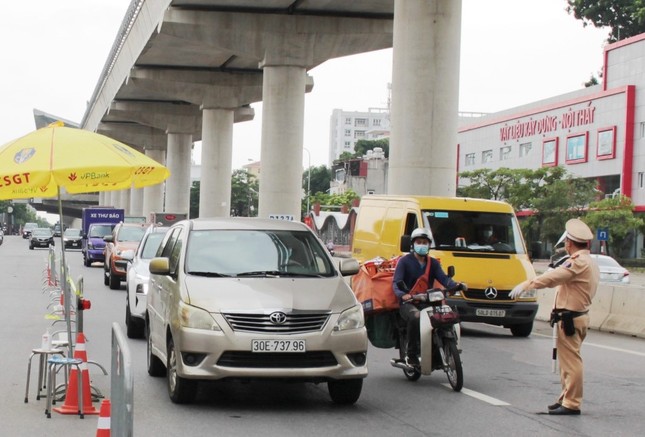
615, 214
362, 146
244, 194
194, 199
625, 18
331, 202
550, 193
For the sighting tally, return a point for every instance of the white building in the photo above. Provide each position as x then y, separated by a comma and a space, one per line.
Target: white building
596, 133
346, 128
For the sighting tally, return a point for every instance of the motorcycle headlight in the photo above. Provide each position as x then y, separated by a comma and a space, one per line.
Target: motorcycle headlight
197, 318
435, 296
350, 319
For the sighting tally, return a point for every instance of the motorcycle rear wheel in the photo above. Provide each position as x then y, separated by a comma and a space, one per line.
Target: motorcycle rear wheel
454, 369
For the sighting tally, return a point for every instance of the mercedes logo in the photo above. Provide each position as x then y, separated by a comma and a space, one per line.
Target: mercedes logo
278, 318
490, 292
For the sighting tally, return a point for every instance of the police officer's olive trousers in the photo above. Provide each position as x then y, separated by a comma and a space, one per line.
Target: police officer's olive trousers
571, 370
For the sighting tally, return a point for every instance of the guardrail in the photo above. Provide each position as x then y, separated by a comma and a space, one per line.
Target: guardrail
615, 308
121, 385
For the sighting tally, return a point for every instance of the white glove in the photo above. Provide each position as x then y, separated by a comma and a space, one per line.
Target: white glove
517, 291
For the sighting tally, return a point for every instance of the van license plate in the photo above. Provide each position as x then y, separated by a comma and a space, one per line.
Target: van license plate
278, 346
490, 313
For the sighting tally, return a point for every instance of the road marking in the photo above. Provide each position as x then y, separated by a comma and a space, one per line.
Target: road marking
480, 396
609, 348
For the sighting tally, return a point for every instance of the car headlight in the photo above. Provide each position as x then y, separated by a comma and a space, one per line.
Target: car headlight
350, 319
197, 318
528, 294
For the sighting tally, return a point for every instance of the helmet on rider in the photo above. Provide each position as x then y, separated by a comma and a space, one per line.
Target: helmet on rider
420, 247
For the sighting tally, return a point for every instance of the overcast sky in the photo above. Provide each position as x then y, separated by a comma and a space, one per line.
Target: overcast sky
513, 52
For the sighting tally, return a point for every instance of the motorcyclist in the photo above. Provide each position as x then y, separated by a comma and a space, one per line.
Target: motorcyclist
418, 271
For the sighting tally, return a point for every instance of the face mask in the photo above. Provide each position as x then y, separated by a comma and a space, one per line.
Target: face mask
421, 249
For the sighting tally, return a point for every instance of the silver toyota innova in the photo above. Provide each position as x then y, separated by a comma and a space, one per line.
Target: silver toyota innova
250, 299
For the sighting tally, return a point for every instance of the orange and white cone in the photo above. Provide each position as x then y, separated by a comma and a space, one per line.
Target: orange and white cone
103, 428
70, 406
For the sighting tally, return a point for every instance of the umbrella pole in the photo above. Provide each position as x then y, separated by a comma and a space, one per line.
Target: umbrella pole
66, 293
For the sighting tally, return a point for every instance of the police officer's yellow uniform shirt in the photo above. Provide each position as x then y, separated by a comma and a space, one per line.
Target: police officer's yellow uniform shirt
577, 279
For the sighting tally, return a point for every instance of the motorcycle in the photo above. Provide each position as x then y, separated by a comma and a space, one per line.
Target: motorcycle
439, 338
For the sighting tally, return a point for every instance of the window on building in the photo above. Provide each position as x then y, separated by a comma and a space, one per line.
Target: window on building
641, 180
606, 144
348, 132
348, 144
550, 152
642, 129
348, 120
360, 122
504, 153
470, 159
376, 122
359, 134
487, 156
525, 149
577, 148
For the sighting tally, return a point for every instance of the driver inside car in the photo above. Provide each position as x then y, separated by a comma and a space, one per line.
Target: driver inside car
418, 270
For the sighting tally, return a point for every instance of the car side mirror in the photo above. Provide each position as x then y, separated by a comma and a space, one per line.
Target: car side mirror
451, 271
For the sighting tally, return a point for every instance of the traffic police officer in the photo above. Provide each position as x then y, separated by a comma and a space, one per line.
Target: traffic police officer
576, 281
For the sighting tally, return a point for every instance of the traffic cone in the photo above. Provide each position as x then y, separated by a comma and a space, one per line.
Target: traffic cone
70, 406
103, 427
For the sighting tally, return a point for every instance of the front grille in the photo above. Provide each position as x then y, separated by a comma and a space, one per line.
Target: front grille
277, 360
295, 323
480, 294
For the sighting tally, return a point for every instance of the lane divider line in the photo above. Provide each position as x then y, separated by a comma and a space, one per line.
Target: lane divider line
480, 396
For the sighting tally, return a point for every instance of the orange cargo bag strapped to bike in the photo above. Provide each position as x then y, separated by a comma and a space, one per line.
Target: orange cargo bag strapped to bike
372, 285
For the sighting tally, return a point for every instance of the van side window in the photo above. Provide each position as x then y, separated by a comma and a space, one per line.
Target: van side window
411, 223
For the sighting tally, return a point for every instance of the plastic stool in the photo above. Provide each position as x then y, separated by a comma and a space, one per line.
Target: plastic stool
43, 355
55, 364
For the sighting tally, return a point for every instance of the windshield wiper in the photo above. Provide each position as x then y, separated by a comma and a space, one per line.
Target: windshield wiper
268, 273
209, 274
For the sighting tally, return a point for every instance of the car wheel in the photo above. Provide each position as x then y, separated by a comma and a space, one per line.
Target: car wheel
180, 390
106, 278
155, 365
345, 391
113, 280
134, 325
31, 247
522, 330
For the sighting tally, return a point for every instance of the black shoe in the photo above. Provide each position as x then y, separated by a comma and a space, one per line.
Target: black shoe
564, 411
554, 406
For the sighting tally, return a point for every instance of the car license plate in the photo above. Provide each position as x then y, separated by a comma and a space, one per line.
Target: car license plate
490, 313
278, 346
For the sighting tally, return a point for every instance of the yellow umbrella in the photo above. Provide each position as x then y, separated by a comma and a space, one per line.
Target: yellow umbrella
39, 163
42, 162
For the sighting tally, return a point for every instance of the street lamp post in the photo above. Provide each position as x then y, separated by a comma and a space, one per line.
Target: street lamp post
308, 176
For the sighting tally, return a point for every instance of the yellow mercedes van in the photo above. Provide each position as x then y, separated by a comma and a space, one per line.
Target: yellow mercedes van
482, 239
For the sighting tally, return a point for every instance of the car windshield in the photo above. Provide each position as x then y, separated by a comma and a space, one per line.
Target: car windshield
72, 232
256, 253
474, 231
131, 233
151, 244
100, 231
41, 232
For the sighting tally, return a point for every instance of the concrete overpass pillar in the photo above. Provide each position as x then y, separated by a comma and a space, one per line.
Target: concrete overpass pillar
102, 196
178, 162
217, 156
425, 97
153, 196
124, 201
136, 202
282, 136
